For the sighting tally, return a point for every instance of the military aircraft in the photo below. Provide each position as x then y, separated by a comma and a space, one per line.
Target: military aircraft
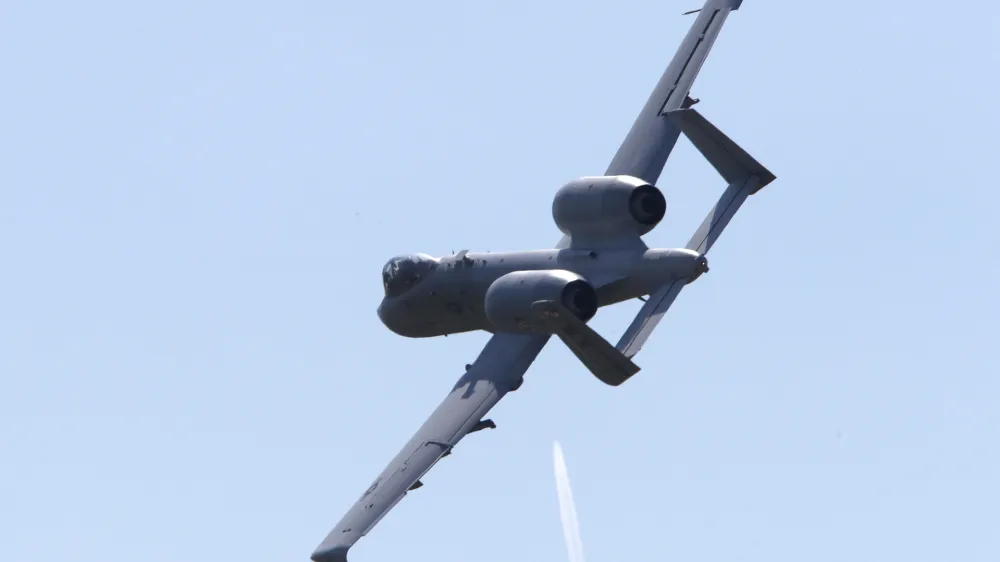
524, 298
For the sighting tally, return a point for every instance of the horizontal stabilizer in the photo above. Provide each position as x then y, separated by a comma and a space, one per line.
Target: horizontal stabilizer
702, 241
745, 177
731, 161
597, 354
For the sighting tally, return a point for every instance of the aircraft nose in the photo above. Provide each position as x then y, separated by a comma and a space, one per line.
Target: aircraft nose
392, 317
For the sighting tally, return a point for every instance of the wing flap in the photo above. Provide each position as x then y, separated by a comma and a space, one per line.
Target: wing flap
496, 371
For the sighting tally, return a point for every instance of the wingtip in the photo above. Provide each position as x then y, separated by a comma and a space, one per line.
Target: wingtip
335, 554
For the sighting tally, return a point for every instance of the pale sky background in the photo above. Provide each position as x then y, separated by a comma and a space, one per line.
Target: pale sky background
196, 199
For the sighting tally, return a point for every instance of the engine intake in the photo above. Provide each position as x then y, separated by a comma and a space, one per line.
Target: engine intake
608, 205
509, 299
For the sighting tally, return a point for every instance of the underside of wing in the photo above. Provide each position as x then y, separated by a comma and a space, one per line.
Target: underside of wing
498, 370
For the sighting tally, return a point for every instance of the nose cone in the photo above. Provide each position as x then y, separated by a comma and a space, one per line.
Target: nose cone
392, 315
386, 315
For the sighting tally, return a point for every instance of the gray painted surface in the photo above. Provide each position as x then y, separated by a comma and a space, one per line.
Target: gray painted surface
526, 297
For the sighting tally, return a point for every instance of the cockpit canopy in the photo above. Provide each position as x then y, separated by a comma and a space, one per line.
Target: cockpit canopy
403, 272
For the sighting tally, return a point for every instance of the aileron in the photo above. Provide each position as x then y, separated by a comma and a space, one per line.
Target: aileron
745, 175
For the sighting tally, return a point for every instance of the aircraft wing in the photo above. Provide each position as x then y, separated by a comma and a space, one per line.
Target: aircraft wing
649, 142
645, 149
497, 371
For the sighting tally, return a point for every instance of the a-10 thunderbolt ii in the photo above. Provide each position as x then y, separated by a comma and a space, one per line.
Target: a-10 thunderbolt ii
524, 298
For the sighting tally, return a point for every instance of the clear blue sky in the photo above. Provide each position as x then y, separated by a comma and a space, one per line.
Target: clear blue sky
196, 200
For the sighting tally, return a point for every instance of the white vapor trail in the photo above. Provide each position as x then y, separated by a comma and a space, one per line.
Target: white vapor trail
567, 509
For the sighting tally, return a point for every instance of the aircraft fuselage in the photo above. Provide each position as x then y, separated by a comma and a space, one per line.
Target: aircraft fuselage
447, 295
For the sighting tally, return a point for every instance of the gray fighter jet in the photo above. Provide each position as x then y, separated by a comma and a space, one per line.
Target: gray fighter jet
524, 298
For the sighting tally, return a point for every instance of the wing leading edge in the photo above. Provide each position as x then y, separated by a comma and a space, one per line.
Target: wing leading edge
498, 370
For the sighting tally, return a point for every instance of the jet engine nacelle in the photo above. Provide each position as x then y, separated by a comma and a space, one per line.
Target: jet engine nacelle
510, 299
608, 205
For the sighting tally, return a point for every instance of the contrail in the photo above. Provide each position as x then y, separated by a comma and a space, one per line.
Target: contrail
567, 509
